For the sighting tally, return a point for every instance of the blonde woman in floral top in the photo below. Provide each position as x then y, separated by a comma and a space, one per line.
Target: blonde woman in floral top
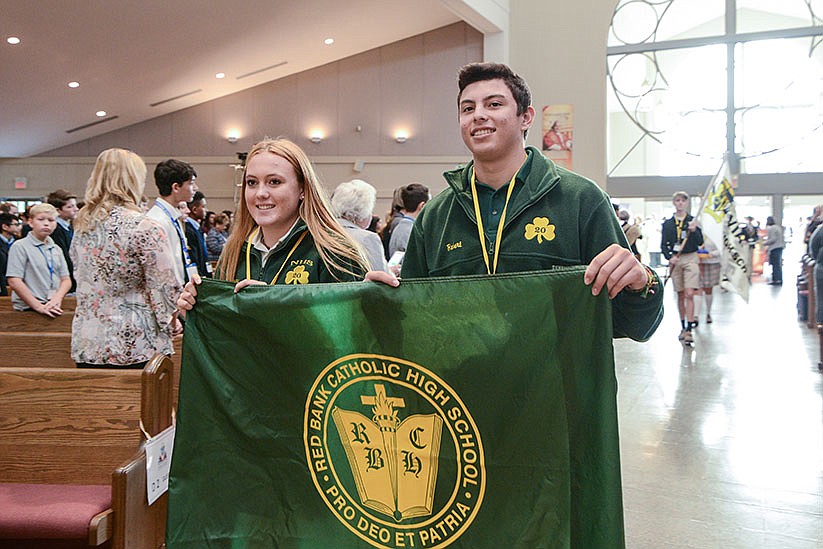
126, 287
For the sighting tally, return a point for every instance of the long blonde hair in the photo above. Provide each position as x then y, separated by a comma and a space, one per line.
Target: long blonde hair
118, 179
334, 245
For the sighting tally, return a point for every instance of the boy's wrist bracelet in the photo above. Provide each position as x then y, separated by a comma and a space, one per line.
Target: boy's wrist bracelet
651, 284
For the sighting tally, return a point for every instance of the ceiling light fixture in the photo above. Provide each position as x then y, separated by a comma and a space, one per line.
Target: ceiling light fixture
74, 84
232, 136
401, 136
101, 114
13, 40
220, 75
328, 41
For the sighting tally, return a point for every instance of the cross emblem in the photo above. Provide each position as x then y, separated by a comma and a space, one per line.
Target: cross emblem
380, 397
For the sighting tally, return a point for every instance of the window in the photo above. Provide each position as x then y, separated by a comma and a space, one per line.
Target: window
673, 108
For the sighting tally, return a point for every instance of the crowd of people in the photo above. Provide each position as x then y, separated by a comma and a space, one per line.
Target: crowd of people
136, 272
135, 269
42, 262
196, 236
131, 265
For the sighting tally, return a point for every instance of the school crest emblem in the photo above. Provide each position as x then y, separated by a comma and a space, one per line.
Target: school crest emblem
393, 452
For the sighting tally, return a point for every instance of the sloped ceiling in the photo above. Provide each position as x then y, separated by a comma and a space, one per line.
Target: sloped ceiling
139, 60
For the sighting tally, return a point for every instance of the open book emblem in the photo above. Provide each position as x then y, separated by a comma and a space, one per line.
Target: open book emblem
394, 462
393, 452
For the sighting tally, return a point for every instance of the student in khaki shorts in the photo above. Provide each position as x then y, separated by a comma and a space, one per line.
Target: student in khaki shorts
681, 239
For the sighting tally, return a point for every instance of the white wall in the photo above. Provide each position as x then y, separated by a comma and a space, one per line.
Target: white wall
559, 47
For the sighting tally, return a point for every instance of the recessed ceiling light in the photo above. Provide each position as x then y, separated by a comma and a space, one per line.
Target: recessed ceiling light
220, 75
13, 40
100, 113
74, 84
328, 41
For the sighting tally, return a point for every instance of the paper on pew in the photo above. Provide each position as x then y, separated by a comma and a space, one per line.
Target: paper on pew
158, 463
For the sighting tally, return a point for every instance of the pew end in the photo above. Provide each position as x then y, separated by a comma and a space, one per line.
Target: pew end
136, 524
76, 431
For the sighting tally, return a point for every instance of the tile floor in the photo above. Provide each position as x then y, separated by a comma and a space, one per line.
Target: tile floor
722, 444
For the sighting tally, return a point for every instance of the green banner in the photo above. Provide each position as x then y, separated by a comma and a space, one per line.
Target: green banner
471, 412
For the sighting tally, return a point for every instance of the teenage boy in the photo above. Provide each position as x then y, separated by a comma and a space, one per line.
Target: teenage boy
515, 188
681, 237
25, 216
175, 182
8, 207
37, 273
195, 239
10, 226
511, 209
413, 196
66, 205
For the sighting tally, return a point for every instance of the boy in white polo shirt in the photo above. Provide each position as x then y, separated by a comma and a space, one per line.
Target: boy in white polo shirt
37, 272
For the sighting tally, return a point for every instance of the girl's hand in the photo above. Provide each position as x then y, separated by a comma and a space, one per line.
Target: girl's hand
384, 277
247, 282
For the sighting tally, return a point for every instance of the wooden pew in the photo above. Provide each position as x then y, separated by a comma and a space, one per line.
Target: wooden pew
77, 429
51, 350
36, 350
177, 362
29, 321
69, 303
807, 264
819, 342
136, 524
808, 271
806, 286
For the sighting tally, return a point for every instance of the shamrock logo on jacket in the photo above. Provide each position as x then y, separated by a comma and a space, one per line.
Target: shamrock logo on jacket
540, 228
297, 276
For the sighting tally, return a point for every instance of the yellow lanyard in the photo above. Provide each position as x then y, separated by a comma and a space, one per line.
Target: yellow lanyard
248, 255
679, 226
480, 231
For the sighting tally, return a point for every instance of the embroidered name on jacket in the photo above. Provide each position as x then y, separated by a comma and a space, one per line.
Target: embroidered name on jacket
454, 246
